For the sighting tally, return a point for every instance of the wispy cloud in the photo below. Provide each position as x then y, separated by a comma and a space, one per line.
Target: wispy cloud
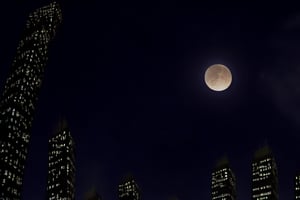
281, 79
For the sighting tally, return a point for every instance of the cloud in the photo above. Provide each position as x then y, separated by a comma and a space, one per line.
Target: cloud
282, 85
281, 79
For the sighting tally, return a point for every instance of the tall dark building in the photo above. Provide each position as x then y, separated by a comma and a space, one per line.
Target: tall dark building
264, 175
128, 189
223, 184
297, 186
61, 165
20, 94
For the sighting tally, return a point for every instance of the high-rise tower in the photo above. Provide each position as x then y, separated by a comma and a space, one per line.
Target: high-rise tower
61, 165
264, 175
129, 190
223, 184
20, 94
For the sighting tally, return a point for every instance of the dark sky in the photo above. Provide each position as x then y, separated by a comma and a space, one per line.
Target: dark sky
128, 75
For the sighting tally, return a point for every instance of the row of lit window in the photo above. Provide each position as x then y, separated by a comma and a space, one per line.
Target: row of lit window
263, 198
218, 180
262, 166
261, 194
257, 171
261, 188
221, 196
218, 176
261, 161
259, 179
221, 170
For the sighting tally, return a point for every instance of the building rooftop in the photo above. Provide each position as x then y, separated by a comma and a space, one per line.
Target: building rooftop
222, 162
62, 124
128, 177
262, 152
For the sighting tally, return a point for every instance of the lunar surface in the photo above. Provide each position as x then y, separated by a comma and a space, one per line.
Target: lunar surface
218, 77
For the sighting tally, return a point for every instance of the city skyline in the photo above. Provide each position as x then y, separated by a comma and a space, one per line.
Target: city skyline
129, 77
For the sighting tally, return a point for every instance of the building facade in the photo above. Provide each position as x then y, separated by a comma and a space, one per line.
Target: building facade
223, 182
128, 189
264, 175
297, 186
20, 94
61, 165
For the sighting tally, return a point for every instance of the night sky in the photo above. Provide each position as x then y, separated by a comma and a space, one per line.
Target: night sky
128, 76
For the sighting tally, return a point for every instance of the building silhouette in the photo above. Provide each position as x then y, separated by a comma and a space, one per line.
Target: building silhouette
297, 186
128, 189
264, 175
20, 94
92, 195
61, 165
223, 183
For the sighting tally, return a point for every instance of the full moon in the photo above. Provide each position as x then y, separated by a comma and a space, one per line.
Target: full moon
218, 77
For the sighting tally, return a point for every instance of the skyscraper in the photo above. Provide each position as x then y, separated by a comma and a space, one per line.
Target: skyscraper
264, 175
297, 186
20, 94
223, 184
128, 189
61, 165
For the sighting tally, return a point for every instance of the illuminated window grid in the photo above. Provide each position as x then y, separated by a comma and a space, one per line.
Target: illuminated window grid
129, 191
264, 179
61, 167
18, 100
223, 185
